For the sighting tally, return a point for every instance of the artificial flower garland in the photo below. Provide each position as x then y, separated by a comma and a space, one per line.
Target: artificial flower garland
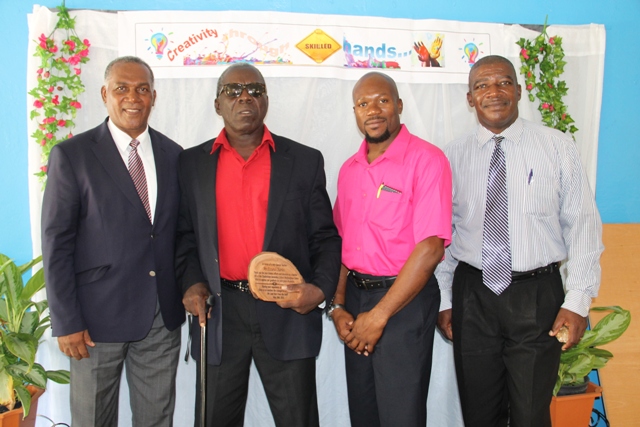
542, 65
59, 85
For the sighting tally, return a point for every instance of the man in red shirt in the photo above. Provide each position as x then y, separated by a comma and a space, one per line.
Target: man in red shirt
245, 192
393, 212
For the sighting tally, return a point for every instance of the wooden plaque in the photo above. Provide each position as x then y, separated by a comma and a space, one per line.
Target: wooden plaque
268, 272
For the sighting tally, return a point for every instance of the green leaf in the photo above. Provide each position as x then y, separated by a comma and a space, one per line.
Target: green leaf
60, 376
23, 346
612, 325
35, 375
25, 397
6, 389
34, 284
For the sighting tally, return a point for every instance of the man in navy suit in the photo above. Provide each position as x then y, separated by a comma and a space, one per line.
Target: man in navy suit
247, 191
108, 232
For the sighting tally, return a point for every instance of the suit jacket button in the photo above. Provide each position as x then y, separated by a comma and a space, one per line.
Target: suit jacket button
152, 273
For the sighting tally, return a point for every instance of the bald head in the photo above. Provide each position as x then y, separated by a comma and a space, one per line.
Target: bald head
380, 78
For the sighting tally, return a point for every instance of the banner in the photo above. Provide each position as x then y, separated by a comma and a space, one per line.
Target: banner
197, 44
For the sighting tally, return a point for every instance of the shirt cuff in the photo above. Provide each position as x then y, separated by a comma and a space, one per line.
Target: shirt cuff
445, 299
577, 302
322, 305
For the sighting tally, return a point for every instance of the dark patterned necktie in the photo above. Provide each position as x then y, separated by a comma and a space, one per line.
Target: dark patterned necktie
496, 249
136, 169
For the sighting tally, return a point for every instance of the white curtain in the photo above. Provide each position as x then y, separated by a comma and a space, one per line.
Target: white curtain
316, 112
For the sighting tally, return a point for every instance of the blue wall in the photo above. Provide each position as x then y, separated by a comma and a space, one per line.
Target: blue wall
619, 152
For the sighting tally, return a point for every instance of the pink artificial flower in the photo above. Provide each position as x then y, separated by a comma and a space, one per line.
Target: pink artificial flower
63, 59
49, 120
86, 42
70, 135
62, 123
42, 38
43, 142
552, 40
37, 103
550, 107
84, 52
71, 44
545, 106
524, 53
529, 74
43, 44
44, 168
55, 100
53, 49
47, 74
78, 71
529, 86
75, 104
49, 135
50, 89
40, 70
550, 85
74, 60
41, 127
564, 116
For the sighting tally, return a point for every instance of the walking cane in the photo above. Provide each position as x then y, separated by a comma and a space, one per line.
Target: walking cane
209, 303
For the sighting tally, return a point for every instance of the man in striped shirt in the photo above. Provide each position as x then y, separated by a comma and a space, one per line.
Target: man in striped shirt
506, 353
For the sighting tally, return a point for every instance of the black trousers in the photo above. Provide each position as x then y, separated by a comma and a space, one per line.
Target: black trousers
389, 387
506, 363
290, 385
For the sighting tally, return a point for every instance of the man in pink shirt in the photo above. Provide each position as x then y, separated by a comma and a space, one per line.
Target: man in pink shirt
393, 212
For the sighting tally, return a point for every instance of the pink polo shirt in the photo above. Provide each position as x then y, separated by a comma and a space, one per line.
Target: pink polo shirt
385, 208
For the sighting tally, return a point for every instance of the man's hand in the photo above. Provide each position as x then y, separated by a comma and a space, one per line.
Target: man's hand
194, 301
366, 331
310, 296
75, 345
574, 322
343, 321
444, 324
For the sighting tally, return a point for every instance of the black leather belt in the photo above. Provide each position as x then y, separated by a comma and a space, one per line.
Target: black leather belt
524, 275
368, 282
240, 285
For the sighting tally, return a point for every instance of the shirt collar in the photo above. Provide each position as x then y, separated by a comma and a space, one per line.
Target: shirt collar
122, 140
222, 141
395, 152
512, 133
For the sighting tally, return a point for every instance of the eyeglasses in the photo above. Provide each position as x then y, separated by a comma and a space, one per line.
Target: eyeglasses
234, 90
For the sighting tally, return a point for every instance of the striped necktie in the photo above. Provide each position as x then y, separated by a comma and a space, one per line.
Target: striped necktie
496, 248
136, 169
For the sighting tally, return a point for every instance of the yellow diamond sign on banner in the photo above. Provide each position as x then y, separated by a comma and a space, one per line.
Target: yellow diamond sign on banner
318, 46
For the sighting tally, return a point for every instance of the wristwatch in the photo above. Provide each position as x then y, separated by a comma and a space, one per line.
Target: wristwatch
332, 307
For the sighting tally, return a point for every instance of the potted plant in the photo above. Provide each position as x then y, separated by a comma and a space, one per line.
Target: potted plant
22, 324
569, 408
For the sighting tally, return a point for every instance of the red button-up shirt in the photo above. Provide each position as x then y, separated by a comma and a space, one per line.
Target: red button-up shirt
242, 196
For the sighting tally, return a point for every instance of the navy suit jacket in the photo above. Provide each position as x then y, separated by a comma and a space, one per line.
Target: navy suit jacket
106, 266
299, 227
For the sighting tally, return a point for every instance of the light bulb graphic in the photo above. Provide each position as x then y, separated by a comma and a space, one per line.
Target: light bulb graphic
159, 42
471, 50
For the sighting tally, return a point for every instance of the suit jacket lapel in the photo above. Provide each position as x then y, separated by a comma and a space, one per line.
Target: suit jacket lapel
162, 164
107, 154
206, 176
281, 169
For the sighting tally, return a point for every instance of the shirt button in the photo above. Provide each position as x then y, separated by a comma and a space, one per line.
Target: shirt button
358, 248
216, 260
364, 194
152, 273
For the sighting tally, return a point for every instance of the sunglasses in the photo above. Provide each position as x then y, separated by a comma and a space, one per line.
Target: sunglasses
234, 90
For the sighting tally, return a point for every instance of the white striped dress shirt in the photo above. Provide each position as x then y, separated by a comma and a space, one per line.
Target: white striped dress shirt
552, 211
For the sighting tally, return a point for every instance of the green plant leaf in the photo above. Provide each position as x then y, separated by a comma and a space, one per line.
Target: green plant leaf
30, 322
34, 284
59, 376
35, 375
612, 325
21, 345
6, 389
24, 267
25, 397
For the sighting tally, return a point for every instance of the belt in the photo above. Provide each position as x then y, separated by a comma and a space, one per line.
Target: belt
524, 275
368, 282
240, 285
